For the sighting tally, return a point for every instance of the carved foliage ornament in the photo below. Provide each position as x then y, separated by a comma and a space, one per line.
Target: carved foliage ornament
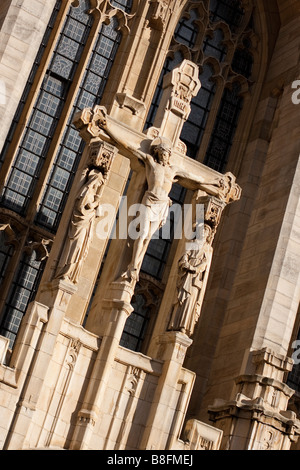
38, 244
105, 10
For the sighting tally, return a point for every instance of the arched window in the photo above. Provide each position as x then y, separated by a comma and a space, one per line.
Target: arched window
48, 149
219, 41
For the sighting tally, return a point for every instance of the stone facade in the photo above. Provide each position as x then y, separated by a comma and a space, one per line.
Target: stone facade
212, 368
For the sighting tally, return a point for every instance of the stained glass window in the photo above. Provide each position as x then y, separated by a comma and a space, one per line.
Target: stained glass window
71, 147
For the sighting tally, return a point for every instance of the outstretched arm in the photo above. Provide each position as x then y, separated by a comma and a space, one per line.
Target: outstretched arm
118, 136
192, 181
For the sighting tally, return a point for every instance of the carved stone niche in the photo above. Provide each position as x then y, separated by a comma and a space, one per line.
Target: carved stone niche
158, 14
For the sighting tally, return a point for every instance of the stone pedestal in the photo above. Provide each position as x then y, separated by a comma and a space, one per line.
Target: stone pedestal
172, 347
39, 331
115, 310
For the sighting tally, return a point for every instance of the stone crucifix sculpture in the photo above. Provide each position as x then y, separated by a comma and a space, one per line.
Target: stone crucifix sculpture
161, 174
162, 154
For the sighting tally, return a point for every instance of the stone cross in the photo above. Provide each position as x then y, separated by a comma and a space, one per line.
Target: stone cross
162, 154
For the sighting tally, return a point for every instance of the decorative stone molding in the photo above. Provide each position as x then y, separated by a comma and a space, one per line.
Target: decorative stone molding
270, 364
127, 101
201, 436
258, 418
248, 424
4, 342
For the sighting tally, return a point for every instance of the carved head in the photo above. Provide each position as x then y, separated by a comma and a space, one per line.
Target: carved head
161, 149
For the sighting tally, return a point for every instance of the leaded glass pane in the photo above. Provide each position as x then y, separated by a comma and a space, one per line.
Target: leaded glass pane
21, 293
213, 47
224, 129
5, 255
242, 62
229, 11
135, 325
194, 128
30, 80
125, 5
186, 31
71, 147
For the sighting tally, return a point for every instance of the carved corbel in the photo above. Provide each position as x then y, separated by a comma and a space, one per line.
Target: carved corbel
213, 209
230, 191
39, 245
10, 234
158, 14
100, 156
126, 101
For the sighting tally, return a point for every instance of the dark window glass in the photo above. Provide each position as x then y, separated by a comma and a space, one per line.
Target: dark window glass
224, 130
242, 62
186, 30
194, 128
22, 292
214, 47
5, 255
136, 325
229, 11
71, 147
125, 5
